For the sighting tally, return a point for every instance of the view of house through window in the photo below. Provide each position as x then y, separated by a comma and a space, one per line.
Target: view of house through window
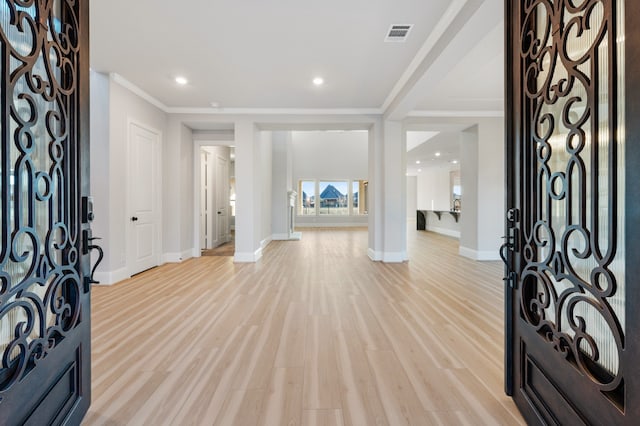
339, 197
307, 197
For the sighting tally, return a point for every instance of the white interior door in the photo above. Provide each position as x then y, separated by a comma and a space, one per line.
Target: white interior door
222, 199
143, 192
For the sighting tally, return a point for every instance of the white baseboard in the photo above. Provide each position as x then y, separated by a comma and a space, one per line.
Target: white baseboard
394, 257
264, 243
172, 258
333, 225
111, 277
179, 257
444, 231
376, 256
295, 236
485, 255
247, 257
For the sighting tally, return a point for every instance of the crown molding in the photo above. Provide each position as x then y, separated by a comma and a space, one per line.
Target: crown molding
456, 114
117, 78
278, 111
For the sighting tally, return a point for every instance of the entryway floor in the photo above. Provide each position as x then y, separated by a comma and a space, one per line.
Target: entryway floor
226, 249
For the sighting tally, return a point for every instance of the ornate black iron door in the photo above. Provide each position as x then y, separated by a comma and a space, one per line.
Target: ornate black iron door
572, 157
44, 261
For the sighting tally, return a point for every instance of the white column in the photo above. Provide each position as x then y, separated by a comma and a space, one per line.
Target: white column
490, 187
375, 193
247, 193
394, 192
281, 184
482, 179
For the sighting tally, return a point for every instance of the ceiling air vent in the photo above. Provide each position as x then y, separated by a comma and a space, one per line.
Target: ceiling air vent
398, 32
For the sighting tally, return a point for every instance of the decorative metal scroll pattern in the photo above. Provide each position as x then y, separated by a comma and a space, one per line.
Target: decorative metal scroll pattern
572, 280
40, 285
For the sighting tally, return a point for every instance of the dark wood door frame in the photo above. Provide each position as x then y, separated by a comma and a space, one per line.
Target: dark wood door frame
45, 375
515, 128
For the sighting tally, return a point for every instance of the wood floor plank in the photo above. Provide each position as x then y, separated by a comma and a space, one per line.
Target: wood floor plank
321, 387
322, 418
315, 333
399, 399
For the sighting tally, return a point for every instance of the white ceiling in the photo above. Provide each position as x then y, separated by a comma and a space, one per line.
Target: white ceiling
264, 54
445, 143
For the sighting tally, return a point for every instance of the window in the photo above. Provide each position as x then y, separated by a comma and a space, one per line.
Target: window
307, 197
335, 197
359, 194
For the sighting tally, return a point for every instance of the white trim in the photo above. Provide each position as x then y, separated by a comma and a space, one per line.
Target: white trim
376, 256
458, 114
187, 254
117, 78
331, 225
112, 277
275, 111
197, 147
394, 257
438, 31
157, 194
172, 258
444, 231
280, 237
486, 255
247, 257
264, 243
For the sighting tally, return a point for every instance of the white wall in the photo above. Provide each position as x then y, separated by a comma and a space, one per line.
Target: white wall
187, 248
100, 164
412, 197
482, 178
330, 156
109, 186
491, 187
281, 183
266, 180
469, 183
433, 188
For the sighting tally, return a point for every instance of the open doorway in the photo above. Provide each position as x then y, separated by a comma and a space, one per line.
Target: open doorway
217, 200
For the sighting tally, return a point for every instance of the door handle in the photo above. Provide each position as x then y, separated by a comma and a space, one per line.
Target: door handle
503, 253
134, 219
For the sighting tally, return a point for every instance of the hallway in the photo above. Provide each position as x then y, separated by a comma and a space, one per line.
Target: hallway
315, 333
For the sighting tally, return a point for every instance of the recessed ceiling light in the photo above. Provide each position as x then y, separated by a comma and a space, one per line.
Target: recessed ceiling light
417, 161
419, 170
455, 161
215, 105
437, 154
181, 80
318, 81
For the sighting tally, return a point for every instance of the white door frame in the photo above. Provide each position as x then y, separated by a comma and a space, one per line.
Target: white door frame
157, 195
197, 146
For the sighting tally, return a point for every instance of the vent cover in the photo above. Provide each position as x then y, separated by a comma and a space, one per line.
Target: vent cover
398, 32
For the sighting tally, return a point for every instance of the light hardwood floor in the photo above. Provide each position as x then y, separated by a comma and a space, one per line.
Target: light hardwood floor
313, 334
